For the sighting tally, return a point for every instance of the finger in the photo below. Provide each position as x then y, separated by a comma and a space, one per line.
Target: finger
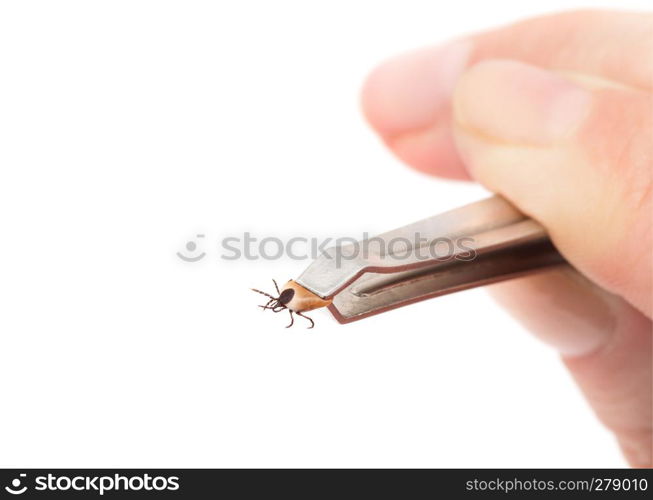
562, 308
407, 102
577, 159
604, 341
407, 99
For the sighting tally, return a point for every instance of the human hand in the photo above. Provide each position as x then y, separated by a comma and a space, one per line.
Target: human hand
555, 114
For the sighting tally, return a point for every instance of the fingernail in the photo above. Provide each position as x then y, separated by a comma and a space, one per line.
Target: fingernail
518, 103
407, 92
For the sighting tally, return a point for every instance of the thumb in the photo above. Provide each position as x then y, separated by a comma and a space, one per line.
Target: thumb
574, 153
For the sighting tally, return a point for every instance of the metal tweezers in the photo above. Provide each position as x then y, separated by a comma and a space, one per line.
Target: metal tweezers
504, 244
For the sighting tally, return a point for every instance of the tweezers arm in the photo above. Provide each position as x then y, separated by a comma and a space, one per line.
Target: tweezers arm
489, 241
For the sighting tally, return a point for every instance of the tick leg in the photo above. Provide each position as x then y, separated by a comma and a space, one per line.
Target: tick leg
292, 319
275, 307
263, 293
309, 319
276, 286
268, 306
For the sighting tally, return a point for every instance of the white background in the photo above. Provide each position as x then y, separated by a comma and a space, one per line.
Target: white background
126, 128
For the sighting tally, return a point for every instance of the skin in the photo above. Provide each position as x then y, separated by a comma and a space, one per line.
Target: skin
554, 113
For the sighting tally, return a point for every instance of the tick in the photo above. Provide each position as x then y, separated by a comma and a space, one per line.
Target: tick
295, 298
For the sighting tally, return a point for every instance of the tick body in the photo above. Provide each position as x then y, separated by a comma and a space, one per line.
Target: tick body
295, 298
